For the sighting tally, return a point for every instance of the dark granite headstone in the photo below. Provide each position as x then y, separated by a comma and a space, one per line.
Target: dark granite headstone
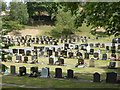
22, 71
112, 65
25, 59
104, 57
96, 77
58, 73
86, 56
111, 77
12, 69
51, 61
70, 73
28, 53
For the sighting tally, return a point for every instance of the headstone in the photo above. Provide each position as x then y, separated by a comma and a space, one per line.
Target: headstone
80, 61
91, 62
91, 51
61, 60
66, 45
15, 51
22, 71
70, 54
111, 77
28, 53
104, 57
96, 77
49, 53
25, 59
112, 65
42, 53
18, 58
21, 51
51, 60
96, 56
56, 54
70, 73
107, 48
76, 47
58, 73
33, 71
12, 69
113, 49
45, 72
86, 56
91, 44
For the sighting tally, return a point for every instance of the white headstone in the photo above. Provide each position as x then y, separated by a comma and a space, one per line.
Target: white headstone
91, 62
45, 72
88, 48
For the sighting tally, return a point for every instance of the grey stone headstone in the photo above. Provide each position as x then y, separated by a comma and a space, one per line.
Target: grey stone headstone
91, 62
45, 72
104, 57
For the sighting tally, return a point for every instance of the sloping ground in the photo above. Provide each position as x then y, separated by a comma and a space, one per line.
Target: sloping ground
33, 30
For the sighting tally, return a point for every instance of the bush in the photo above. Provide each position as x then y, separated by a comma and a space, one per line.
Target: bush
12, 25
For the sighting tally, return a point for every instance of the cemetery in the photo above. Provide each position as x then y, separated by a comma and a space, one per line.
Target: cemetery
81, 60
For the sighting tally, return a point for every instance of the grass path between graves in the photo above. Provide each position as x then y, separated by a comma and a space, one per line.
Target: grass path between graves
53, 83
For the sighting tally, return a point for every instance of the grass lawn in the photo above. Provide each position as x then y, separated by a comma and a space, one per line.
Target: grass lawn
54, 83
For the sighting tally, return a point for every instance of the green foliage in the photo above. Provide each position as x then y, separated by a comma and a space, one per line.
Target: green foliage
4, 6
12, 25
102, 14
18, 11
64, 24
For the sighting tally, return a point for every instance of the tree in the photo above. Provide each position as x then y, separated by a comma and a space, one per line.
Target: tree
4, 6
18, 11
103, 14
64, 24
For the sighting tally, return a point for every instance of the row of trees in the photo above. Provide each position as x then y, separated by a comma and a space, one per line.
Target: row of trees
70, 15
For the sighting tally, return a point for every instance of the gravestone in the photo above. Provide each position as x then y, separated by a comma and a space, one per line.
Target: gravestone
80, 61
12, 69
28, 53
49, 52
112, 65
56, 54
64, 53
66, 45
22, 71
91, 44
76, 47
79, 54
92, 51
86, 56
107, 48
104, 57
45, 72
15, 51
25, 59
61, 60
103, 45
111, 77
70, 73
70, 54
113, 49
18, 58
113, 55
51, 60
96, 55
21, 51
33, 71
9, 57
42, 53
96, 77
91, 62
118, 64
58, 73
